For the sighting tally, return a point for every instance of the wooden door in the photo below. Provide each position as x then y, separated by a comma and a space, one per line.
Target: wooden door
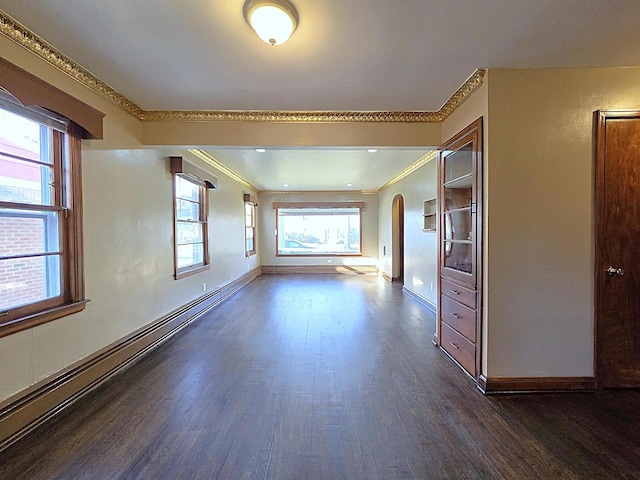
617, 258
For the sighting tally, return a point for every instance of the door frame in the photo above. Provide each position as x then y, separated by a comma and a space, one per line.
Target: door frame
397, 239
600, 231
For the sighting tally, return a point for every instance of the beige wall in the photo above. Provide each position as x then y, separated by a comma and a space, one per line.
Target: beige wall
538, 214
540, 207
278, 134
128, 238
420, 248
267, 227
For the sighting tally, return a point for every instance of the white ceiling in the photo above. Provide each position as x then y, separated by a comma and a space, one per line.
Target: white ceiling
355, 55
317, 169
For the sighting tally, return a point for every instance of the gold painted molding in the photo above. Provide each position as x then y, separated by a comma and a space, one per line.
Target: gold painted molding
204, 156
286, 116
26, 38
336, 192
427, 157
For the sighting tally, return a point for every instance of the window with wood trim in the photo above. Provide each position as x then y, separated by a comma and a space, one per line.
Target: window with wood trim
191, 224
318, 228
40, 216
250, 228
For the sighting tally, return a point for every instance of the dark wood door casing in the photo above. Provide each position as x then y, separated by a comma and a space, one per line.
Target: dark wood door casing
617, 245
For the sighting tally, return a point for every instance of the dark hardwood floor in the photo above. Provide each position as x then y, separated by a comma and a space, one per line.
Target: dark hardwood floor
323, 377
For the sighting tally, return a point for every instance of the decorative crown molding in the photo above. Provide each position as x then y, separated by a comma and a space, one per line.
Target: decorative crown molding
427, 157
204, 156
24, 37
286, 116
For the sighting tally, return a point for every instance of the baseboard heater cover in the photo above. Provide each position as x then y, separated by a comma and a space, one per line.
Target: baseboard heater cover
44, 401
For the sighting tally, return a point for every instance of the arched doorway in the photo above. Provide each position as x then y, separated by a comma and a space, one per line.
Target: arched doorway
397, 239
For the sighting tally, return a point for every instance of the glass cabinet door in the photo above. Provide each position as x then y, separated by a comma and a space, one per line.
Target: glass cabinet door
458, 220
457, 209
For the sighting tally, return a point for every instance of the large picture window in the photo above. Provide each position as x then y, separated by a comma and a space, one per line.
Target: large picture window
191, 233
40, 214
319, 229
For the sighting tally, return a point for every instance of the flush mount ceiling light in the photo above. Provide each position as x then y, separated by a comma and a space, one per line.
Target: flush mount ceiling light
273, 20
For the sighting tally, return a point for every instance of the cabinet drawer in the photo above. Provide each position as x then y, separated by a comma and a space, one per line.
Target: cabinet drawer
459, 348
461, 318
459, 294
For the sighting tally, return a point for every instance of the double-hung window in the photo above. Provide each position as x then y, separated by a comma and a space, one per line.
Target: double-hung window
250, 226
191, 226
40, 216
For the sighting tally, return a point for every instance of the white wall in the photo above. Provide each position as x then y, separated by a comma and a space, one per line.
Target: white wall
420, 248
267, 227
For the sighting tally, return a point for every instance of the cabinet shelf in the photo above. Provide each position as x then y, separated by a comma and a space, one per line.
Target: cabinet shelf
464, 181
453, 240
458, 210
430, 216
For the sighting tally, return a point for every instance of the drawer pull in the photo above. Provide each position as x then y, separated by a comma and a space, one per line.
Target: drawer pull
4, 314
455, 292
454, 315
454, 346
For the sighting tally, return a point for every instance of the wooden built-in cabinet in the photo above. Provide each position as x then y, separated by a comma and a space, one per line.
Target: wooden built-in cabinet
460, 216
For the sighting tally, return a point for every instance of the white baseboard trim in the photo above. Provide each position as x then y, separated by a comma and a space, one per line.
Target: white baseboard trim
342, 269
420, 299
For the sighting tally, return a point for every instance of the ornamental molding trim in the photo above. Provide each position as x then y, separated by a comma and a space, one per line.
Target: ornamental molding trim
427, 157
29, 40
206, 157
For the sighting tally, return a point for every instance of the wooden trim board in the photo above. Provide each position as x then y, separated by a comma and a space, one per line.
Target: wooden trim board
31, 408
343, 269
535, 384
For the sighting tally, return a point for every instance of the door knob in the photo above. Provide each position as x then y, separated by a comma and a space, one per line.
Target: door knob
614, 271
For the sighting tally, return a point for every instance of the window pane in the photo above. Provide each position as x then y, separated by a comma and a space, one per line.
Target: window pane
190, 255
186, 210
319, 231
28, 280
250, 245
186, 189
24, 182
26, 233
188, 233
22, 137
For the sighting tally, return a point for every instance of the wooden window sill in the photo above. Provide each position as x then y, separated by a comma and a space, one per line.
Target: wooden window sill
192, 271
30, 321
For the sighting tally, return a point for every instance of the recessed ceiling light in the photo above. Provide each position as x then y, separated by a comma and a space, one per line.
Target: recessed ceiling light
372, 150
285, 184
349, 184
261, 150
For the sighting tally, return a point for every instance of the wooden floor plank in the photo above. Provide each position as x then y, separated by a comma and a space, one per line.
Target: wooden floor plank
323, 377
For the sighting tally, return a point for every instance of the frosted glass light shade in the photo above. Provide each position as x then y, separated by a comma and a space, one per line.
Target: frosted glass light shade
274, 21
